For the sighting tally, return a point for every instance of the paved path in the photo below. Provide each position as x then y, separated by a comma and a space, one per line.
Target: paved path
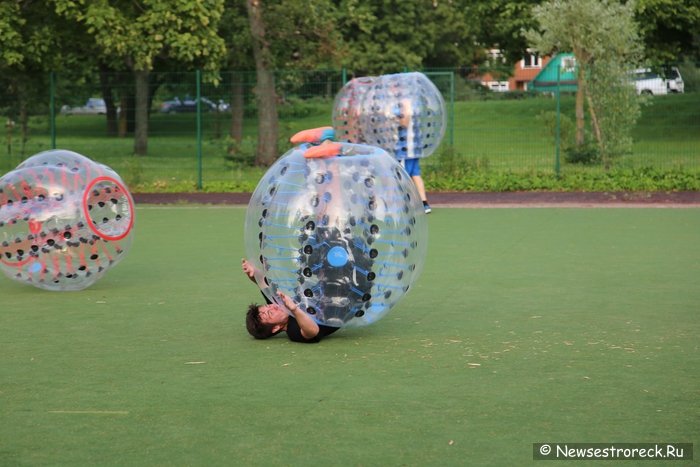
476, 200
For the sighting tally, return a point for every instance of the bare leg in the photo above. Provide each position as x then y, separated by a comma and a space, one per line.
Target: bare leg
418, 180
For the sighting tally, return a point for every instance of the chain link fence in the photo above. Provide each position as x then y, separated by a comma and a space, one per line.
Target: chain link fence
202, 129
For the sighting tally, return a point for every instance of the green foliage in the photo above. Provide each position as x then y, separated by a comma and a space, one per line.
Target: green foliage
567, 128
669, 29
470, 90
592, 29
295, 107
186, 32
387, 36
603, 37
237, 155
302, 34
691, 75
586, 154
11, 22
616, 108
634, 179
450, 161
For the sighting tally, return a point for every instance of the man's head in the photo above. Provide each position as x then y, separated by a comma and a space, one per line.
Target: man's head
263, 321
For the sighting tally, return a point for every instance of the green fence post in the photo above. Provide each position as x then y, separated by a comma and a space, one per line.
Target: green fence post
452, 109
198, 76
52, 108
557, 163
344, 75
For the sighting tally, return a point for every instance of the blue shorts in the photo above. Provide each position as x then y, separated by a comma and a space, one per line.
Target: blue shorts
412, 166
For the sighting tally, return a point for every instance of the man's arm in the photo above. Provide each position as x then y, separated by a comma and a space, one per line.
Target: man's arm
309, 328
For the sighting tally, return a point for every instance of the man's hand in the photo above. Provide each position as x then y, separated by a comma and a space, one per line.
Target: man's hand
288, 302
309, 328
248, 269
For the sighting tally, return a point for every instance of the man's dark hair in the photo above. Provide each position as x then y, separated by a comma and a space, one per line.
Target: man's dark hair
255, 327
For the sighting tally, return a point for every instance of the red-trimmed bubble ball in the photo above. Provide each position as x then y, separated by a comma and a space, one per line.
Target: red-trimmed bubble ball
65, 220
345, 237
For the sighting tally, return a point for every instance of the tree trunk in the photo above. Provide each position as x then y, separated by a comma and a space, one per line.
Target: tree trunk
237, 107
141, 113
123, 116
24, 125
580, 114
9, 128
265, 89
106, 86
597, 131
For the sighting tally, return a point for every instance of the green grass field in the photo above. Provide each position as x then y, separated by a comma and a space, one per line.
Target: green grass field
527, 325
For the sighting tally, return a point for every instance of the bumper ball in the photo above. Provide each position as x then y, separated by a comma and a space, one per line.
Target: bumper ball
345, 237
65, 220
404, 114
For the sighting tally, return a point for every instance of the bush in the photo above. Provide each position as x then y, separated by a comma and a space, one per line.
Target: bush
467, 90
295, 107
691, 76
587, 154
451, 171
567, 128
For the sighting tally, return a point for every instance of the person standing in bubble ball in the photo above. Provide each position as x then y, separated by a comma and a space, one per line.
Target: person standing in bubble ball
399, 113
406, 144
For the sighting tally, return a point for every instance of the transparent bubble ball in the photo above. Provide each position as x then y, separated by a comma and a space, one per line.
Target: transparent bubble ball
344, 237
65, 220
346, 110
404, 114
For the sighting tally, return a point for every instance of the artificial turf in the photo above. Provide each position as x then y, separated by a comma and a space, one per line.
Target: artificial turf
526, 326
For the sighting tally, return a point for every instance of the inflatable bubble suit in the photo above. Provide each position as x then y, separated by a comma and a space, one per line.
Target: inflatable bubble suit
346, 110
345, 237
404, 114
64, 221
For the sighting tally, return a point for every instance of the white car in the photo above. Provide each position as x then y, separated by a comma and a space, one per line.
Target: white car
647, 81
93, 106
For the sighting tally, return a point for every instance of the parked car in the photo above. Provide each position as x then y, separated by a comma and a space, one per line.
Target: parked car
93, 106
647, 81
189, 104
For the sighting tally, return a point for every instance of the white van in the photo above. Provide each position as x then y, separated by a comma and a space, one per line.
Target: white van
647, 81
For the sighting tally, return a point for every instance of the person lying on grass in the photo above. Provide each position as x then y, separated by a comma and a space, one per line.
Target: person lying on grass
263, 321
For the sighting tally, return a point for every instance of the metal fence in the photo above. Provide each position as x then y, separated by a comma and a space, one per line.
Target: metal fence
214, 141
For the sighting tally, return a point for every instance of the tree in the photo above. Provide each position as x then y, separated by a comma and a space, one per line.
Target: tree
501, 25
671, 30
290, 35
384, 36
235, 30
135, 33
602, 34
265, 89
32, 39
303, 34
11, 23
